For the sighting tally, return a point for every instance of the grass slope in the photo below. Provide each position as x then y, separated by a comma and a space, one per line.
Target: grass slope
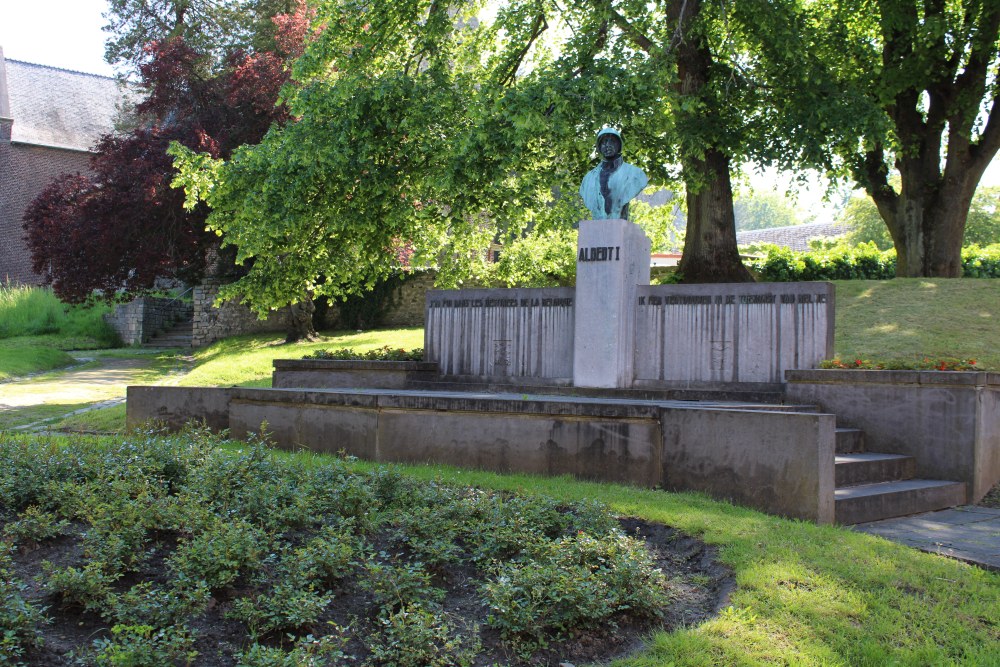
913, 318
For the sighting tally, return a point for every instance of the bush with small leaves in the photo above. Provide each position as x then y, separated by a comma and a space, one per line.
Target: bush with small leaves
415, 636
87, 588
34, 525
145, 646
219, 553
328, 557
328, 650
572, 583
287, 607
19, 618
149, 604
395, 586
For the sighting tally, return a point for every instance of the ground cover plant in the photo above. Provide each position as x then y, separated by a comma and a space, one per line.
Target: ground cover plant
151, 550
804, 594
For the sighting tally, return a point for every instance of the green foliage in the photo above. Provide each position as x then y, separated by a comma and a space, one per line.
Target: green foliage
308, 651
981, 228
854, 262
417, 637
384, 353
981, 262
145, 646
662, 224
32, 311
841, 262
87, 588
764, 210
274, 542
34, 525
218, 553
571, 583
289, 606
366, 310
19, 618
540, 258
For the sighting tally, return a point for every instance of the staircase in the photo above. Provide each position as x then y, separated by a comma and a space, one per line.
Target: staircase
179, 335
872, 486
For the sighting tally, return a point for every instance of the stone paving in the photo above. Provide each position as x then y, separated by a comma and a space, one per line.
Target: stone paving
967, 533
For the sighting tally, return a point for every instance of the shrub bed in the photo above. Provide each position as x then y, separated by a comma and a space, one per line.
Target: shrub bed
161, 551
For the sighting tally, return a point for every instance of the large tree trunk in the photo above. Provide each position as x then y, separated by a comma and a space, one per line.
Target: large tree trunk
710, 253
926, 219
300, 321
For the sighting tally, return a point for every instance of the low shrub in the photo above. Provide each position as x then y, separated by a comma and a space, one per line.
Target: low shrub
922, 364
860, 262
571, 583
384, 353
417, 637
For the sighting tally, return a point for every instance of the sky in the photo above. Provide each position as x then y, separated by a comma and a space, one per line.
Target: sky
67, 34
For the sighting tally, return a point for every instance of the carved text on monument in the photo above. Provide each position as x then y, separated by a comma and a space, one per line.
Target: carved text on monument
600, 254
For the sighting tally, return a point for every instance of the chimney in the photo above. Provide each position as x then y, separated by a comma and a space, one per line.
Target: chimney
5, 120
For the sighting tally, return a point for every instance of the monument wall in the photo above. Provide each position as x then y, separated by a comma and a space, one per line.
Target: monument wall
497, 334
721, 333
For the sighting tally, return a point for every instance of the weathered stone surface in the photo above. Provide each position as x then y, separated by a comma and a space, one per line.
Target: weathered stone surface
329, 373
175, 406
511, 333
734, 333
948, 421
779, 462
612, 261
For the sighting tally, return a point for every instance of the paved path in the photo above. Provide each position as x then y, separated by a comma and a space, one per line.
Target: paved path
75, 390
968, 533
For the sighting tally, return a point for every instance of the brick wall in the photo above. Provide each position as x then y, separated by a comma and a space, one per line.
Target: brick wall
141, 319
24, 172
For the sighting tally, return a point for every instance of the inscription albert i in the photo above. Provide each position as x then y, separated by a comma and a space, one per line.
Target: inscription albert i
609, 253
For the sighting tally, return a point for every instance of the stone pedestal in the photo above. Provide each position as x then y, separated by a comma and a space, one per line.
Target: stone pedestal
612, 261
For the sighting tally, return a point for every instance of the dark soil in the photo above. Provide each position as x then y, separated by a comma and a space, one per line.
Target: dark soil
700, 588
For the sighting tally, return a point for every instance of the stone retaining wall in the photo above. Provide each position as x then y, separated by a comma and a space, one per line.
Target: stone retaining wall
141, 319
213, 323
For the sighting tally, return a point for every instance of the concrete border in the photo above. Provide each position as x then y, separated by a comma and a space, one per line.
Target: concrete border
772, 459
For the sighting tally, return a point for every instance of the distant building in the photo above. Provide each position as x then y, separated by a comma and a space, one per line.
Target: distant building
795, 237
50, 120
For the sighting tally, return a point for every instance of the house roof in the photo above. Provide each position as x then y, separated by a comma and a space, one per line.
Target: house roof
58, 107
795, 237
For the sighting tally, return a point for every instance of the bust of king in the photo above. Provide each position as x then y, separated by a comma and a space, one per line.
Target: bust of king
608, 188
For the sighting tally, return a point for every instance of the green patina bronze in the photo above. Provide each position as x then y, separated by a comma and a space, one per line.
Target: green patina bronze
608, 188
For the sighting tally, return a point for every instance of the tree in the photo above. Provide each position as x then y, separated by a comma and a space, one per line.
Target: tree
414, 123
982, 228
216, 28
763, 210
930, 72
124, 227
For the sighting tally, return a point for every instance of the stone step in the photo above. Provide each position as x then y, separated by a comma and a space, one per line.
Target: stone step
868, 468
850, 440
872, 502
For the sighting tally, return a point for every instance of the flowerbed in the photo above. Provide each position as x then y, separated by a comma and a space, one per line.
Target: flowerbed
162, 551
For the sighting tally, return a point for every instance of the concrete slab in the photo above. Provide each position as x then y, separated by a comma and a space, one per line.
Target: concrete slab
968, 533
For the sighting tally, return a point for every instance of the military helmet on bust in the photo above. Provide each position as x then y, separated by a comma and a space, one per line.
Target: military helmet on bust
609, 130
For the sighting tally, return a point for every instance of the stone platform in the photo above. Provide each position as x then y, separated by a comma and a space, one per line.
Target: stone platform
777, 458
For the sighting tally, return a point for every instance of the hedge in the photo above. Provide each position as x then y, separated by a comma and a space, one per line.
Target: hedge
772, 263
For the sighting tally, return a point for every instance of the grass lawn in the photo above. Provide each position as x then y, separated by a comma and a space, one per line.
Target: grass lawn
913, 318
